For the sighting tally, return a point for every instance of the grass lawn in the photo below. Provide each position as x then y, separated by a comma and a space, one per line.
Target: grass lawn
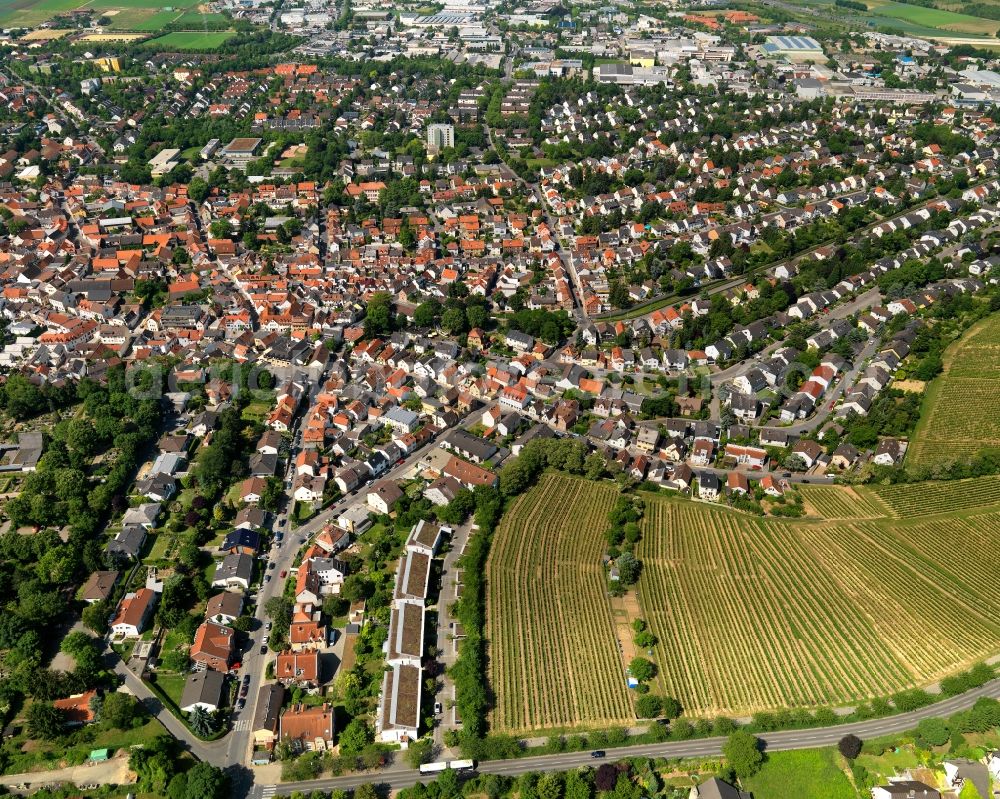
172, 685
162, 545
190, 40
257, 411
890, 763
209, 571
123, 739
806, 772
74, 748
173, 641
303, 512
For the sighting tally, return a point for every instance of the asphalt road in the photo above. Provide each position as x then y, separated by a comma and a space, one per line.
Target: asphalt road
399, 776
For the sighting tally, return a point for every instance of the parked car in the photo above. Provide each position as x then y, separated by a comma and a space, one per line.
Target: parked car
263, 650
270, 565
266, 627
267, 578
266, 639
437, 708
284, 573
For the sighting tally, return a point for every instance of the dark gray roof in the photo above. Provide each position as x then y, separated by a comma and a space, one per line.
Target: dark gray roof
203, 686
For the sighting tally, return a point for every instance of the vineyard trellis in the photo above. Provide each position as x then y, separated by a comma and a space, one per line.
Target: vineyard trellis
894, 588
553, 658
969, 380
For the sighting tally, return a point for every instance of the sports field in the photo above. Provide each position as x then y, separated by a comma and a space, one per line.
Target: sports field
751, 613
961, 406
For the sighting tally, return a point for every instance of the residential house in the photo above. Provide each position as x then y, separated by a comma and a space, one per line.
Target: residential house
398, 718
77, 709
383, 496
307, 728
267, 716
203, 689
717, 789
234, 572
99, 586
905, 789
889, 452
225, 607
242, 540
298, 668
214, 646
133, 613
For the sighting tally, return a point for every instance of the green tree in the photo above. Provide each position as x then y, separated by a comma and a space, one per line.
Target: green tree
45, 721
198, 189
933, 732
205, 781
426, 313
742, 751
356, 736
578, 786
95, 616
453, 321
643, 670
550, 786
201, 722
648, 706
119, 710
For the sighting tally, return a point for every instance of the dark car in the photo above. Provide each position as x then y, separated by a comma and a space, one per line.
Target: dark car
240, 705
263, 650
270, 565
246, 679
597, 753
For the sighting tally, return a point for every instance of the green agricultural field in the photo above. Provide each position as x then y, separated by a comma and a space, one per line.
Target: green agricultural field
885, 592
934, 18
968, 382
142, 15
190, 40
552, 654
808, 772
912, 20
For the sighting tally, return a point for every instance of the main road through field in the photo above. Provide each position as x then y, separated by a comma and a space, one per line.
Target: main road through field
398, 776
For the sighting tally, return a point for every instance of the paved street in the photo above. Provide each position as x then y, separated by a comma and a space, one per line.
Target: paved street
401, 777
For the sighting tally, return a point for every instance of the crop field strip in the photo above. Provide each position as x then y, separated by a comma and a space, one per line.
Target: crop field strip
730, 595
751, 613
929, 624
843, 502
553, 658
968, 382
914, 500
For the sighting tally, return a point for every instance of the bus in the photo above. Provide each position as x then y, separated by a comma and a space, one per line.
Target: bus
433, 768
462, 765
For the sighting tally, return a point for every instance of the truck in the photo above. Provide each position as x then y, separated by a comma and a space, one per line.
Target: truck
433, 768
462, 765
